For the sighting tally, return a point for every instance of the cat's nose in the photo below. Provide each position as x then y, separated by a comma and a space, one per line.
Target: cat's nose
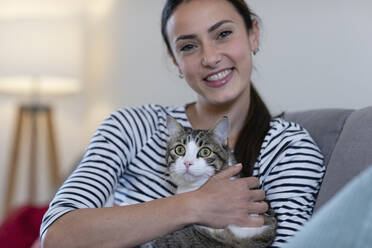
187, 164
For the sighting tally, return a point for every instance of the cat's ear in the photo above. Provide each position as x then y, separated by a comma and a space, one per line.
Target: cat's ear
173, 126
221, 130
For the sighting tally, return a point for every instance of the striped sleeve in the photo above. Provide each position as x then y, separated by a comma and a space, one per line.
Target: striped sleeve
94, 180
291, 172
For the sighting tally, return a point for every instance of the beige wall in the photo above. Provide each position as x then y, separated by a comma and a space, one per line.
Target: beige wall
315, 54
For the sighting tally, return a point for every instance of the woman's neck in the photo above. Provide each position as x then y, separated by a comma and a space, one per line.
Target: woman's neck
202, 115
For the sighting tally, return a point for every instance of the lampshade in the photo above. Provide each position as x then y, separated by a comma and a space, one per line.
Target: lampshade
45, 85
40, 54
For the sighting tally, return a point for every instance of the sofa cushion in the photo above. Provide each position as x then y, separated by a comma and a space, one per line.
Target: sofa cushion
351, 155
324, 126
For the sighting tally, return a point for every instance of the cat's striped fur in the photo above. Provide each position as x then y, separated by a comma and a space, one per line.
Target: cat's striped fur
193, 156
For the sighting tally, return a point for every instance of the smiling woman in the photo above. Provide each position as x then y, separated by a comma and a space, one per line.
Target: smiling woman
218, 40
211, 42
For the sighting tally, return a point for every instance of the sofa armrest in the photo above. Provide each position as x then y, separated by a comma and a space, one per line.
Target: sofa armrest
351, 154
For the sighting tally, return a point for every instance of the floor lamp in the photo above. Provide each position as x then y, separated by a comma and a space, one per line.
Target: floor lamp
40, 58
28, 119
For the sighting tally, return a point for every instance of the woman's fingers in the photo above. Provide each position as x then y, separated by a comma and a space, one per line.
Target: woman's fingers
245, 200
251, 221
229, 172
256, 195
252, 182
257, 207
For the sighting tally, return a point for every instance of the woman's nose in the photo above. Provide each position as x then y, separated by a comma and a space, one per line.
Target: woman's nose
211, 56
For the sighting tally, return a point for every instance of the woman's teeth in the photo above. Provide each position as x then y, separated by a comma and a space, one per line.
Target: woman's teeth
218, 76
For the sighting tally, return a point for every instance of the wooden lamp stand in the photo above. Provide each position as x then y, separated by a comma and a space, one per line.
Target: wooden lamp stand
27, 116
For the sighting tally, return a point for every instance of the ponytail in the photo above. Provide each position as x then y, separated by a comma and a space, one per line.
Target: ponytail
251, 137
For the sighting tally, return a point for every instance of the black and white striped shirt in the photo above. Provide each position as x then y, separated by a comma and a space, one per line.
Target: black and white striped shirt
126, 157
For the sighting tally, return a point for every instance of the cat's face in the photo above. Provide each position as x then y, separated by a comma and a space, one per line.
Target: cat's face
196, 155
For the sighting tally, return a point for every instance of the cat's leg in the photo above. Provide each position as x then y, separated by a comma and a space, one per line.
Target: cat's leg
189, 237
217, 235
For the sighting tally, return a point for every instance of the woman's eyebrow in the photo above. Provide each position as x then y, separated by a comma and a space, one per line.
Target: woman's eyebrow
211, 29
217, 25
185, 37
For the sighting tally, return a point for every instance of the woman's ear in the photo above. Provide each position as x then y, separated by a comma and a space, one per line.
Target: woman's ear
254, 36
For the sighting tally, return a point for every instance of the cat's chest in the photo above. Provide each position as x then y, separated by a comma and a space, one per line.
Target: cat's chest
191, 186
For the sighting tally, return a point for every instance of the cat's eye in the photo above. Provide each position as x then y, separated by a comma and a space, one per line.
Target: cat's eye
205, 152
180, 150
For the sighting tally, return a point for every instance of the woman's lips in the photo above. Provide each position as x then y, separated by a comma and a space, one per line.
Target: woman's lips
220, 78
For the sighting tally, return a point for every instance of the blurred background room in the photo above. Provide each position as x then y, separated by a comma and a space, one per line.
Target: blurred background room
84, 59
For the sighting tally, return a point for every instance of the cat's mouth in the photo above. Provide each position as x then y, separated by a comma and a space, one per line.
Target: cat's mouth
191, 174
190, 177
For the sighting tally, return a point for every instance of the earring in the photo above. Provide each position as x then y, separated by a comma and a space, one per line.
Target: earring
180, 75
256, 51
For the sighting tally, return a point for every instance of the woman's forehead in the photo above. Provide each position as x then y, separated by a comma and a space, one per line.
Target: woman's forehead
199, 15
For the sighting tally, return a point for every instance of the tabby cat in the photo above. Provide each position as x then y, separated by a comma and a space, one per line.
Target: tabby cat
193, 156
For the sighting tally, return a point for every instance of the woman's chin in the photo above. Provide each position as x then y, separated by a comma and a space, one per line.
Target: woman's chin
221, 100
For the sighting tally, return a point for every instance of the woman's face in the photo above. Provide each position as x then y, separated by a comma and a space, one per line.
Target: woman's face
212, 48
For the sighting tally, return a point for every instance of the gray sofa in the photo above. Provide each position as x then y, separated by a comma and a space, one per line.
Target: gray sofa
345, 138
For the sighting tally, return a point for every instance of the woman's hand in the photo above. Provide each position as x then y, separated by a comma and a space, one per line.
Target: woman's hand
222, 201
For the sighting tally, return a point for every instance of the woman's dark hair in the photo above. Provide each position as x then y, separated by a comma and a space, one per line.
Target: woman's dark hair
257, 122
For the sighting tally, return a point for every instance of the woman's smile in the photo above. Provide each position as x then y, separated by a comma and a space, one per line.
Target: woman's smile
220, 78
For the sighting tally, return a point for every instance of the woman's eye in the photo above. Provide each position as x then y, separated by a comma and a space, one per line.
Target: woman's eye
205, 152
180, 150
224, 34
187, 48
